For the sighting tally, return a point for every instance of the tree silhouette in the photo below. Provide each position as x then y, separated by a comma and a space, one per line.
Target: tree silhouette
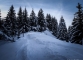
25, 21
54, 26
77, 24
49, 21
41, 21
62, 30
33, 21
10, 23
19, 22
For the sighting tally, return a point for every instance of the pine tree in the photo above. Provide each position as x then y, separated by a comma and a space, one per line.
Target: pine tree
26, 25
33, 21
77, 24
0, 26
54, 26
69, 32
0, 20
41, 21
19, 22
10, 23
62, 30
49, 21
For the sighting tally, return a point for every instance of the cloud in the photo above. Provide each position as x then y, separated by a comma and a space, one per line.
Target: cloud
3, 10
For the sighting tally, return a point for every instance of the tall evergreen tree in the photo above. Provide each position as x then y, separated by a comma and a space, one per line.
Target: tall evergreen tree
0, 26
41, 21
77, 24
0, 20
33, 21
19, 22
25, 21
62, 30
10, 23
69, 32
49, 21
54, 26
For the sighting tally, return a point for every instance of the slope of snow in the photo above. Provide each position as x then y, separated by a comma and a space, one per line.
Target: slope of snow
49, 33
5, 36
40, 46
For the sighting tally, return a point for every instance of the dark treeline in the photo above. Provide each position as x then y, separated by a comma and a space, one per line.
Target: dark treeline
12, 26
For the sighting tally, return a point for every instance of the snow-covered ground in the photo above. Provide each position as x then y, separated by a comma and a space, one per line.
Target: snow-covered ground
40, 46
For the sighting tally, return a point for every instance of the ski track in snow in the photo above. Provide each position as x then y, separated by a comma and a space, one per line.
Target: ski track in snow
40, 46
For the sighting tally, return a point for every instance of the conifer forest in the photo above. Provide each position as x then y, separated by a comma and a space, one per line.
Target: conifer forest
41, 30
12, 26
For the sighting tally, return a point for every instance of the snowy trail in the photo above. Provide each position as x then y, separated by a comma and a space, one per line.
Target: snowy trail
13, 50
55, 49
40, 46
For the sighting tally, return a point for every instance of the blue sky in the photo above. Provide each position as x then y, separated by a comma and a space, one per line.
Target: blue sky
57, 8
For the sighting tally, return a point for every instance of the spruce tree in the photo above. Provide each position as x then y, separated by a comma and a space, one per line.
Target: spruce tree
69, 32
19, 22
0, 20
54, 26
10, 23
62, 30
0, 26
77, 24
26, 25
33, 21
41, 21
49, 21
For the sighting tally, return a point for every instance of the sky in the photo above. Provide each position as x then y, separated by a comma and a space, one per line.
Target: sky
56, 8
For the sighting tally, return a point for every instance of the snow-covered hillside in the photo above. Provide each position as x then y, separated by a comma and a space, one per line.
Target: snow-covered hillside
40, 46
